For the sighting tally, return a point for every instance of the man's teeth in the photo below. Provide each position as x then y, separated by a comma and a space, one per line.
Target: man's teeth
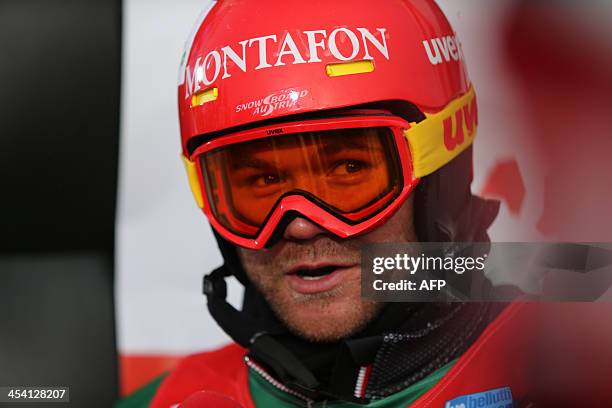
306, 277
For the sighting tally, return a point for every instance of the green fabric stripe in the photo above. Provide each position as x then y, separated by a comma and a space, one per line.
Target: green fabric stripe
266, 395
142, 397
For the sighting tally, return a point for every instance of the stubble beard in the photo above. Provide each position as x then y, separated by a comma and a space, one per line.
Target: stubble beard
320, 317
335, 314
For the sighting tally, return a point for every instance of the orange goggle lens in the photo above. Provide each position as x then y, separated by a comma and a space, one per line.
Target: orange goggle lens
351, 173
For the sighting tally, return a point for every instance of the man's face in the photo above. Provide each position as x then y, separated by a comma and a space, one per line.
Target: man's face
328, 307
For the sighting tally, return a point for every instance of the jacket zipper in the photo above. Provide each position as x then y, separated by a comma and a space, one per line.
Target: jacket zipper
259, 370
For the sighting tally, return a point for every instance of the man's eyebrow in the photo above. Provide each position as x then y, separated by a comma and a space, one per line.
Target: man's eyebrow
251, 163
332, 147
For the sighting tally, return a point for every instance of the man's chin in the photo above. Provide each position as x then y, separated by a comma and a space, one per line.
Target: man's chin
324, 321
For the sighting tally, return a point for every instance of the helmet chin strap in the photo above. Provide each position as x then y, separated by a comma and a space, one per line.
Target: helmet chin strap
253, 335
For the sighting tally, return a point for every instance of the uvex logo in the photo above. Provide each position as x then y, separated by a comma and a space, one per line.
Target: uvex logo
271, 132
445, 49
465, 118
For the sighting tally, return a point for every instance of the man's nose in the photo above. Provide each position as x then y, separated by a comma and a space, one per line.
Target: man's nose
301, 229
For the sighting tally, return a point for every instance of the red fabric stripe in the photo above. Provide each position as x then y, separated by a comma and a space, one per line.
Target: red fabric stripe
366, 377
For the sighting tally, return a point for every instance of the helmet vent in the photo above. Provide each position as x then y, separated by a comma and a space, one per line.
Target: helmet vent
205, 96
349, 68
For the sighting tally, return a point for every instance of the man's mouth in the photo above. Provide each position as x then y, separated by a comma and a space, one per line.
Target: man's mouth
315, 274
311, 279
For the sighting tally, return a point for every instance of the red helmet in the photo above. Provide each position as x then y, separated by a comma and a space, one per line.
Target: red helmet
254, 65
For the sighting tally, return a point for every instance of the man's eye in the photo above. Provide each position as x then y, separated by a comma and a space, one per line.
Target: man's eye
348, 167
267, 179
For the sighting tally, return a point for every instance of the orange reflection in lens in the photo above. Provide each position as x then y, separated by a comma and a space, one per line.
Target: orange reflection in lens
346, 169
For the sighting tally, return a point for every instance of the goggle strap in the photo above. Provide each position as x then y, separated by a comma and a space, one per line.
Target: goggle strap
194, 182
443, 135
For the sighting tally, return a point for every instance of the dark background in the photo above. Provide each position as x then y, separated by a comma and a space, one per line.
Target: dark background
60, 65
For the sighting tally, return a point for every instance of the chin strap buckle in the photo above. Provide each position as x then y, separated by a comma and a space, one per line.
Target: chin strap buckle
208, 287
213, 284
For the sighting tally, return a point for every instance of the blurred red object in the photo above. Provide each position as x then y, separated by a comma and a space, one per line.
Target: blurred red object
506, 183
562, 57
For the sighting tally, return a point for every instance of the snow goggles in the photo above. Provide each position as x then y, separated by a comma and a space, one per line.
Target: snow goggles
346, 174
